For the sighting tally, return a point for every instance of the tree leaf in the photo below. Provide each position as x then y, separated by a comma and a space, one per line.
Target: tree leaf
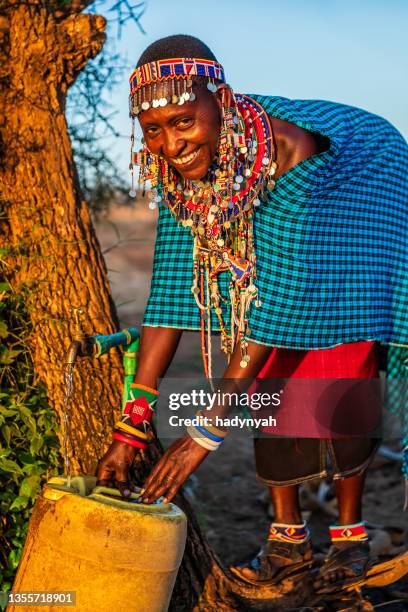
36, 445
29, 487
19, 503
4, 452
8, 357
7, 465
6, 432
25, 458
3, 330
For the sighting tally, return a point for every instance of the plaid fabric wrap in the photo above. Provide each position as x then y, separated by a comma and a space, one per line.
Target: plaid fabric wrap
330, 242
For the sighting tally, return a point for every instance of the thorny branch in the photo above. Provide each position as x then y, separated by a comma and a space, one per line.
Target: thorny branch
128, 12
122, 12
90, 115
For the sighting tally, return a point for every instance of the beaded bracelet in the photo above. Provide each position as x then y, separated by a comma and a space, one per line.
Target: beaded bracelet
140, 405
122, 437
138, 433
209, 434
203, 441
212, 428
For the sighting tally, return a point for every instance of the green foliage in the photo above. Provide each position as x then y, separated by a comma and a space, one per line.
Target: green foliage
29, 448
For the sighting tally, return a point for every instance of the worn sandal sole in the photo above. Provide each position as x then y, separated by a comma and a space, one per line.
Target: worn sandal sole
285, 572
346, 584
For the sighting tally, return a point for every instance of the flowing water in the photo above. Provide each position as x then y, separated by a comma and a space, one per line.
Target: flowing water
66, 420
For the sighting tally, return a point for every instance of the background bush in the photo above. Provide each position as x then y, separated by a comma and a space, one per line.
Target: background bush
29, 447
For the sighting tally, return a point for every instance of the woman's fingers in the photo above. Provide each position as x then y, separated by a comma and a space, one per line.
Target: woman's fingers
167, 490
104, 472
162, 467
158, 486
179, 461
113, 468
174, 489
124, 487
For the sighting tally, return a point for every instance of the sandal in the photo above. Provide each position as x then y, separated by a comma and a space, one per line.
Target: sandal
355, 556
277, 560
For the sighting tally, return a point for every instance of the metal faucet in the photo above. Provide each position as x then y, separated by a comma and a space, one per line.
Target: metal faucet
79, 346
83, 345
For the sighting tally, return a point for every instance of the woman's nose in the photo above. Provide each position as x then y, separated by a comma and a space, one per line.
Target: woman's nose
172, 146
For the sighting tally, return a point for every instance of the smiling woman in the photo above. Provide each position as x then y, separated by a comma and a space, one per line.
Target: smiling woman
182, 132
308, 266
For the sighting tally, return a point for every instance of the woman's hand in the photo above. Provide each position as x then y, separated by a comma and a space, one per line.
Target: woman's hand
113, 468
180, 460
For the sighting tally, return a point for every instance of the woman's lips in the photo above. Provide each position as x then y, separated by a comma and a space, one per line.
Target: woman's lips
185, 160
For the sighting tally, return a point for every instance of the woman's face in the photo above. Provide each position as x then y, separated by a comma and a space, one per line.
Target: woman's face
185, 135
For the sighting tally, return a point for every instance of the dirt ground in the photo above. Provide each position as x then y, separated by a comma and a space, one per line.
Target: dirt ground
231, 505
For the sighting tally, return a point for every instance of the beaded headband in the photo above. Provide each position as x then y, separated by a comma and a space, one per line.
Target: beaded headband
143, 81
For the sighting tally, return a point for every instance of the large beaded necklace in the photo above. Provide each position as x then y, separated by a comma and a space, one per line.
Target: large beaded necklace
219, 212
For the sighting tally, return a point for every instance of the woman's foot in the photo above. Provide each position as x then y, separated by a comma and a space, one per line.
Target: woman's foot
348, 558
276, 561
287, 551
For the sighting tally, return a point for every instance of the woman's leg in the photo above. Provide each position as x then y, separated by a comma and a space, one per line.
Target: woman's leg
285, 501
349, 493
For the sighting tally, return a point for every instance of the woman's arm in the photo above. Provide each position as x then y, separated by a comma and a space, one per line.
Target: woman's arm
184, 456
157, 348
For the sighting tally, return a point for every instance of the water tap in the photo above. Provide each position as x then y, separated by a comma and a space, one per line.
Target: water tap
79, 346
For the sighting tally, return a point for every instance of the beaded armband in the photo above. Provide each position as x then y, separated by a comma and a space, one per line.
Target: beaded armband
136, 416
140, 405
349, 533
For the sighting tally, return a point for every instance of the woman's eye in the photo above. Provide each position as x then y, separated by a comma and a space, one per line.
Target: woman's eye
184, 123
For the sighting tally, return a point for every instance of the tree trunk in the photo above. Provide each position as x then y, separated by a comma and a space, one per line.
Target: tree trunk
54, 254
55, 259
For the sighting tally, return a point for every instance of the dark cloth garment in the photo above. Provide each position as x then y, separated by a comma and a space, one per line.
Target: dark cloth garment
288, 461
283, 461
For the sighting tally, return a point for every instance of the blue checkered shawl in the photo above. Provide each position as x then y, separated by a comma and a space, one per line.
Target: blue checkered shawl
331, 241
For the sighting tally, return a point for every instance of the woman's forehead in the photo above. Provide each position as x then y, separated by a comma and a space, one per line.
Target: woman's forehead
165, 113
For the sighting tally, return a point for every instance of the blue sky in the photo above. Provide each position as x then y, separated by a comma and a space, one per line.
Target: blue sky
350, 51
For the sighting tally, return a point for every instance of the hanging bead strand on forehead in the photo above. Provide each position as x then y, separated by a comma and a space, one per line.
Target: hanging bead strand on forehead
174, 98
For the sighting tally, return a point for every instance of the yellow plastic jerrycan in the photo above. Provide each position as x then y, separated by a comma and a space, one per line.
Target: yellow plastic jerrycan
112, 553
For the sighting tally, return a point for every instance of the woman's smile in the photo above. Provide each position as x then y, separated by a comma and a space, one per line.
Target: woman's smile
185, 160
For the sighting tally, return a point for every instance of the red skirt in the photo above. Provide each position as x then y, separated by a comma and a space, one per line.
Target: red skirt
324, 393
328, 417
353, 360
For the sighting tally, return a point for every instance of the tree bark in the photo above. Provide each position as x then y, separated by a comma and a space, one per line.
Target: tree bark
54, 256
55, 259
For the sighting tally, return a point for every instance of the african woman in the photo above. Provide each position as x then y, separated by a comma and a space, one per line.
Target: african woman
280, 228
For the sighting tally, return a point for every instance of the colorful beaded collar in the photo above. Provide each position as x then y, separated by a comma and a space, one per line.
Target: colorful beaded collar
231, 188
